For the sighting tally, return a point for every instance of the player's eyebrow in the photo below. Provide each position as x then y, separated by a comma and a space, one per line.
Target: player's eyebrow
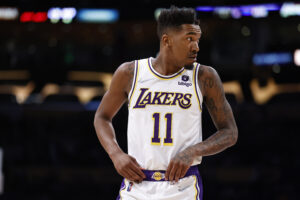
193, 33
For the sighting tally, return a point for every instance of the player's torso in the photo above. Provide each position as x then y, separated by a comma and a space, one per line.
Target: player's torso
164, 115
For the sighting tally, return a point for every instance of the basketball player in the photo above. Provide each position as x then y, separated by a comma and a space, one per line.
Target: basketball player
165, 96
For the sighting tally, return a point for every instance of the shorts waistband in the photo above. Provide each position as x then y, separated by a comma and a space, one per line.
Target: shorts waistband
159, 175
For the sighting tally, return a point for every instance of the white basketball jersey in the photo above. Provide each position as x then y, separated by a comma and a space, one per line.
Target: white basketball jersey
164, 115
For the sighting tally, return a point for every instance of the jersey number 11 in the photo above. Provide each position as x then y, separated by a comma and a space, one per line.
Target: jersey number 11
168, 141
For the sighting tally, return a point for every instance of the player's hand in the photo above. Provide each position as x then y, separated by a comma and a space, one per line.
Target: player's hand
179, 165
128, 167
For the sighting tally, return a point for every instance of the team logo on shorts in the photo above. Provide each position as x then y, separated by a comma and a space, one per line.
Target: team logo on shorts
185, 78
158, 176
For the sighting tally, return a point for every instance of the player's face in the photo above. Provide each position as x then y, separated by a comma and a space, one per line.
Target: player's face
186, 44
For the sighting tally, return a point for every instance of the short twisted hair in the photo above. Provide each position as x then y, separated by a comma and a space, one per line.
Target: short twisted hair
174, 17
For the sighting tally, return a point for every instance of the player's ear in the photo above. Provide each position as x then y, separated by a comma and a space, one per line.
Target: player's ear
166, 40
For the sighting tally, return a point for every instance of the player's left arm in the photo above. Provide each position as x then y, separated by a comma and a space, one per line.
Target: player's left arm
220, 111
221, 114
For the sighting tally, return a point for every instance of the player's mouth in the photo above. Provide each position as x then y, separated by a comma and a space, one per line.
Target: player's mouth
194, 57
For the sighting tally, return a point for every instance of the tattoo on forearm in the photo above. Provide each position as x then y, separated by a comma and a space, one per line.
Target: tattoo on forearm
185, 156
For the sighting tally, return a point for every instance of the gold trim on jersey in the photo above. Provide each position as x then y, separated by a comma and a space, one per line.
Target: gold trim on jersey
195, 76
161, 77
195, 186
136, 73
123, 189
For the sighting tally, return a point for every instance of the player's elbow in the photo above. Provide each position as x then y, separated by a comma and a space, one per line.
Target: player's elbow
95, 120
233, 136
100, 118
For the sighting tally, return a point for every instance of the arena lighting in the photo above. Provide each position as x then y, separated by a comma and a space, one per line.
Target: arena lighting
255, 10
37, 17
290, 9
205, 8
259, 12
157, 13
26, 16
297, 57
223, 12
9, 13
98, 15
265, 59
64, 14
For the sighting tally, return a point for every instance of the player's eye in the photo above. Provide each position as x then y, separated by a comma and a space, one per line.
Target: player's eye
190, 39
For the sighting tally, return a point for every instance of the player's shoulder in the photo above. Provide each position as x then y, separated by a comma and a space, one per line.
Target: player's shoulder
205, 71
126, 68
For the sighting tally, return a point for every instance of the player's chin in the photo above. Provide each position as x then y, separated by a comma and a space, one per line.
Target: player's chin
190, 61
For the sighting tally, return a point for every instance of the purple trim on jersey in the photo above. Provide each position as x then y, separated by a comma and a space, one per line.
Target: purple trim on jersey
121, 188
193, 170
200, 184
151, 68
196, 83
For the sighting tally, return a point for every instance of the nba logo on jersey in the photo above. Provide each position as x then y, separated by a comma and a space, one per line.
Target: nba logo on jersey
185, 78
130, 186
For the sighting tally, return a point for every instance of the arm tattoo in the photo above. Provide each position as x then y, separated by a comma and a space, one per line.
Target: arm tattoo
208, 83
186, 156
211, 105
220, 111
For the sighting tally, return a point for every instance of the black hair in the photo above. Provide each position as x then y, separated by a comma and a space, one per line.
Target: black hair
174, 17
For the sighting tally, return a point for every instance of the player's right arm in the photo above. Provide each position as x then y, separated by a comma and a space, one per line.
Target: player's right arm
111, 102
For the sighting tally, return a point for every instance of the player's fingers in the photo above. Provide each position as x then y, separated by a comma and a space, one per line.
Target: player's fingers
167, 174
125, 174
177, 174
139, 172
172, 172
134, 176
184, 171
138, 169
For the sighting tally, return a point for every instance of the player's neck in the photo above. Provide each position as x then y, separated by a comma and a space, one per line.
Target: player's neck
164, 66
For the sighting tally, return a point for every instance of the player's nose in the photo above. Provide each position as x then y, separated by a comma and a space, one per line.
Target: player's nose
195, 47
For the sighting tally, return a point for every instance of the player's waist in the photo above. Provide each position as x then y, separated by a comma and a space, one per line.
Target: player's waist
159, 175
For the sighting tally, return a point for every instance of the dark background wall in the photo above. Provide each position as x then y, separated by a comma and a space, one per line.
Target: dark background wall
50, 149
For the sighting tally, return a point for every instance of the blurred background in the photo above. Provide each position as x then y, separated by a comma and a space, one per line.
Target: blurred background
57, 60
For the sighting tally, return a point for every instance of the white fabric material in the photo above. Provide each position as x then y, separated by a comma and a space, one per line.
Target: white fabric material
186, 189
181, 118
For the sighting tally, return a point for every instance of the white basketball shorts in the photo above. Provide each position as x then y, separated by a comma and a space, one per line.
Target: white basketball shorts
154, 187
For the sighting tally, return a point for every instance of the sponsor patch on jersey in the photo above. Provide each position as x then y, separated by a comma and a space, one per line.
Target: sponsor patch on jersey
185, 78
158, 176
184, 83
